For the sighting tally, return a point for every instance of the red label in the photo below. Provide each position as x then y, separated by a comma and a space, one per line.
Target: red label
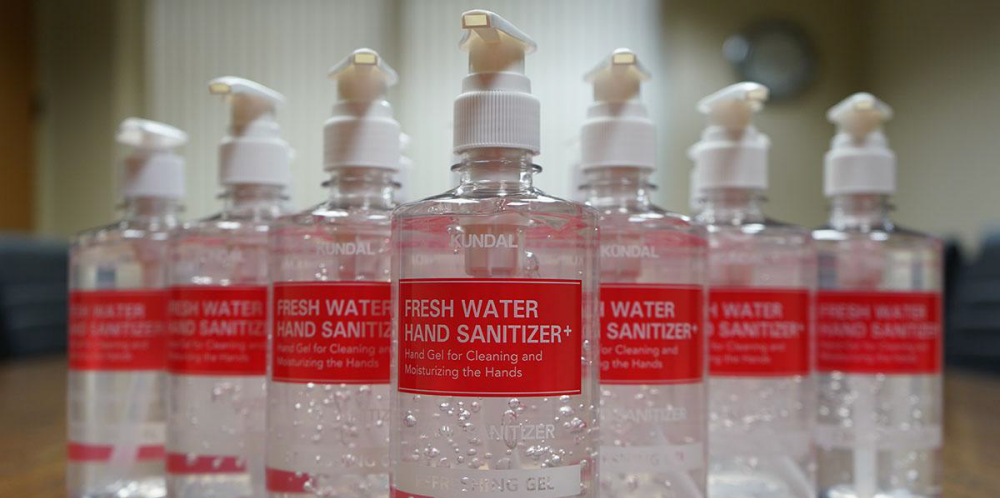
332, 332
217, 330
758, 332
286, 481
79, 452
185, 463
651, 334
490, 337
878, 332
117, 330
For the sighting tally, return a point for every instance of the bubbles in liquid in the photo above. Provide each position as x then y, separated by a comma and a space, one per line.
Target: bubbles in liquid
409, 420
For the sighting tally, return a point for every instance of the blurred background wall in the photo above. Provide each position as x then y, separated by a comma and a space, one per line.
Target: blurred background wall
99, 61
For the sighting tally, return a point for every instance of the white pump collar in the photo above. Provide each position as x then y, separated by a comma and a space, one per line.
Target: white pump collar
151, 169
252, 152
495, 108
731, 152
362, 131
859, 160
618, 131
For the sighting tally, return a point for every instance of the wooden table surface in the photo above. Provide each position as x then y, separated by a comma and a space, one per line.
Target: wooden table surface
33, 414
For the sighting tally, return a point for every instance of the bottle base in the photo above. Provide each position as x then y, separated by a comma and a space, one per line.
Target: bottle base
741, 485
849, 492
146, 488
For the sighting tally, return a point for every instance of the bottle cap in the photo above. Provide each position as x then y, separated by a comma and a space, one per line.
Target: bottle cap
362, 131
152, 168
731, 152
618, 131
252, 152
859, 160
496, 107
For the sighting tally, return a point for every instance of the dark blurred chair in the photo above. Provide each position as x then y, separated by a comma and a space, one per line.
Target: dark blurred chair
974, 313
32, 296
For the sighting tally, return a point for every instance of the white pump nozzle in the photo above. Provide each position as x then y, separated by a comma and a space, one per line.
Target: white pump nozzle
859, 160
733, 106
151, 169
495, 108
859, 114
731, 152
253, 151
363, 77
494, 44
362, 131
617, 77
618, 131
146, 134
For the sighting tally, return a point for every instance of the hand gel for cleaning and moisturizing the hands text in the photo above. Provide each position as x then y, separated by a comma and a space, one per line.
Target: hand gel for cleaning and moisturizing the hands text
653, 400
328, 395
495, 295
761, 276
217, 345
878, 325
117, 326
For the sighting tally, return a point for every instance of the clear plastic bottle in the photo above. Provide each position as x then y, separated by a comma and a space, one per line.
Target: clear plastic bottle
653, 399
495, 287
217, 346
328, 395
761, 276
879, 328
117, 338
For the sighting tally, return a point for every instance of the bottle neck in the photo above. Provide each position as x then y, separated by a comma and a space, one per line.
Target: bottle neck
253, 198
860, 212
732, 206
362, 188
621, 187
495, 170
151, 209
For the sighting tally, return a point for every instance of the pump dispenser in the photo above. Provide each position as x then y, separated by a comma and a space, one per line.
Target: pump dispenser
152, 168
618, 130
502, 259
337, 253
496, 107
648, 255
116, 401
252, 152
362, 131
859, 160
761, 276
219, 276
732, 153
880, 409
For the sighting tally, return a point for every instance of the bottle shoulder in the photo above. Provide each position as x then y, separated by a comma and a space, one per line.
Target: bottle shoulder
651, 218
327, 213
530, 201
889, 235
125, 230
225, 222
767, 228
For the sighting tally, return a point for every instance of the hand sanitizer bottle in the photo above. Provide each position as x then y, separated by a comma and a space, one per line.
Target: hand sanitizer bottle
878, 324
328, 395
653, 399
117, 326
495, 293
217, 346
761, 276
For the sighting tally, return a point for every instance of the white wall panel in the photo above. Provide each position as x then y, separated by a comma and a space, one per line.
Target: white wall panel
286, 45
289, 46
